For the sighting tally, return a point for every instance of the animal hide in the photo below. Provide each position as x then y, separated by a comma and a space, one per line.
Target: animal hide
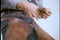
17, 26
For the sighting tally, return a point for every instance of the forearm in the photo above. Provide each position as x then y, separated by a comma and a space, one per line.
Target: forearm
10, 4
21, 4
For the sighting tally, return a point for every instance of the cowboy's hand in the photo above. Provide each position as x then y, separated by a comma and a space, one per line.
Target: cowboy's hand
31, 10
44, 12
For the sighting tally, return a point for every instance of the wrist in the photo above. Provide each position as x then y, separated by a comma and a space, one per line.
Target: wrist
21, 5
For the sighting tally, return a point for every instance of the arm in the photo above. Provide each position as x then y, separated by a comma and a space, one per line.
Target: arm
11, 4
30, 9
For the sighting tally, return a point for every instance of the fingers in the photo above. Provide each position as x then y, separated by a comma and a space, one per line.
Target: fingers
34, 15
38, 14
28, 14
31, 16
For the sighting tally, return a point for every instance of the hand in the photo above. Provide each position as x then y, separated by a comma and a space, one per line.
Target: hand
30, 9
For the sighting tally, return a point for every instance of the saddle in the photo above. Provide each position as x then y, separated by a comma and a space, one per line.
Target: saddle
16, 26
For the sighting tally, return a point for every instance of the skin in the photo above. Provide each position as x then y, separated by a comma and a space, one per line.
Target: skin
31, 10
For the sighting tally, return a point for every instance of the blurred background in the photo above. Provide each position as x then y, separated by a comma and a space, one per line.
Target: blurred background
51, 24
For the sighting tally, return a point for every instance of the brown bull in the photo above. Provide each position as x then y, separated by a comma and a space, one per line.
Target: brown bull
18, 29
21, 27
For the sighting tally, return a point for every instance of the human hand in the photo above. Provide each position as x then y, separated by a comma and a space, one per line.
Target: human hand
31, 10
